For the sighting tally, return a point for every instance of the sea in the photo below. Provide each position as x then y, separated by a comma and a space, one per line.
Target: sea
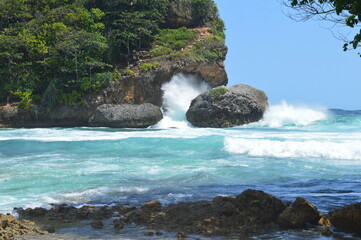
294, 151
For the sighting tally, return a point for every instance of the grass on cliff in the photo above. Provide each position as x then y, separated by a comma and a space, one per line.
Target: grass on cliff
216, 93
170, 40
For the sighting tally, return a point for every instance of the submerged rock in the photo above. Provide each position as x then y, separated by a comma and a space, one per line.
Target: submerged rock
227, 107
347, 218
126, 116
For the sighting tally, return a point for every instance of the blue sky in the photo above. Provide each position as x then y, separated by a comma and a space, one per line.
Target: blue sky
299, 62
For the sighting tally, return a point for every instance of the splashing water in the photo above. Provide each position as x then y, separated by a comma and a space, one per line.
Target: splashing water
284, 115
178, 94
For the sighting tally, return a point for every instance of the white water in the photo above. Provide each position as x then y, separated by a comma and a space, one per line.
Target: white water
178, 94
284, 114
294, 148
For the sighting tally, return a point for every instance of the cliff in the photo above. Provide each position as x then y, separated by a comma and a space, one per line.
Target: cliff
190, 41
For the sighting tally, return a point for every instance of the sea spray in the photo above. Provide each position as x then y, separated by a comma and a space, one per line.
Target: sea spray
285, 114
178, 94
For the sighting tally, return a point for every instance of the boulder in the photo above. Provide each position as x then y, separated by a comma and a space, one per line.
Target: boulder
227, 107
126, 116
347, 218
299, 215
10, 227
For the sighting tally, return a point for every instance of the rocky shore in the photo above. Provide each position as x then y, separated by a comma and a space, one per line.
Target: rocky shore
250, 213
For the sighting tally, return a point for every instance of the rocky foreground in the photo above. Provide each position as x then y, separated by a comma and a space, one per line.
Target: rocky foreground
251, 212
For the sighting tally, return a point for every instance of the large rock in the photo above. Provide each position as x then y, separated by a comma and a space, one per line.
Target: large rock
299, 215
227, 107
347, 218
126, 116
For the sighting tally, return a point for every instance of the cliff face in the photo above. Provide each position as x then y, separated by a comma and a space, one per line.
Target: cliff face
141, 83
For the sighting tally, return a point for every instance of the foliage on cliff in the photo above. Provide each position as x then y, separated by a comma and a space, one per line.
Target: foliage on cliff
57, 51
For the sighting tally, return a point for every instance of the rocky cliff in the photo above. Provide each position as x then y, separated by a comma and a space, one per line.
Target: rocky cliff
141, 82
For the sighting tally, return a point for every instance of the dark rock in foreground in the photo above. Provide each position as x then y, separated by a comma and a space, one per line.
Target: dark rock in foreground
126, 116
11, 227
248, 213
299, 215
227, 107
347, 218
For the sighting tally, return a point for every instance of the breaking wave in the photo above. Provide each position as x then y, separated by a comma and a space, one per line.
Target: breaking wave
285, 114
349, 150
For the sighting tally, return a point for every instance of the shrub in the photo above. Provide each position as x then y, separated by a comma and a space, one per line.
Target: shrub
216, 93
25, 99
129, 72
169, 40
73, 98
145, 67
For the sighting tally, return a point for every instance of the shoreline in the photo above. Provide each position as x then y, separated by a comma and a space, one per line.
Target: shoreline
251, 213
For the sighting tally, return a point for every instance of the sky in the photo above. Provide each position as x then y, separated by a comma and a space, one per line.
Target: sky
301, 63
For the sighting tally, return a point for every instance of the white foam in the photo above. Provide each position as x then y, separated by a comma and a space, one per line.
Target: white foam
285, 114
349, 150
177, 96
93, 194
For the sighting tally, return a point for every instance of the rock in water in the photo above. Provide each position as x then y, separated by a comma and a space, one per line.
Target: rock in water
299, 215
347, 218
126, 116
227, 107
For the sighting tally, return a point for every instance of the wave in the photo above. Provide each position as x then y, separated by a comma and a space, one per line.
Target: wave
285, 114
349, 150
177, 97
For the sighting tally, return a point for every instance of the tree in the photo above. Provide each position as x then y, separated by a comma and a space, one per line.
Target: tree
339, 12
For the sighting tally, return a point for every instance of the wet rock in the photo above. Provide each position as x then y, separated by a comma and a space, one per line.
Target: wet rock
152, 206
260, 207
149, 234
326, 232
299, 215
181, 235
126, 116
50, 229
227, 107
118, 224
347, 218
11, 227
97, 224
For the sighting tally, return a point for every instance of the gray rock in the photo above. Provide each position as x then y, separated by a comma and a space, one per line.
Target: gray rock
227, 107
126, 116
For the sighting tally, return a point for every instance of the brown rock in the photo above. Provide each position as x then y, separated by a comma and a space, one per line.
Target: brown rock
118, 224
152, 206
11, 227
97, 224
347, 218
181, 235
299, 215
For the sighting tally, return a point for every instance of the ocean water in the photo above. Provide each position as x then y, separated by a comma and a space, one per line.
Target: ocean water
293, 151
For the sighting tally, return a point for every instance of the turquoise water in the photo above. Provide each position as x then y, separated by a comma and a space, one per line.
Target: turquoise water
293, 151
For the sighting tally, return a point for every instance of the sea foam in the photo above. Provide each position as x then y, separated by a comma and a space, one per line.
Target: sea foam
177, 96
349, 150
285, 114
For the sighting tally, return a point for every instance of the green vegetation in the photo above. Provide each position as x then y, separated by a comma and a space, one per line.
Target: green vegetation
170, 40
58, 51
217, 93
345, 12
145, 67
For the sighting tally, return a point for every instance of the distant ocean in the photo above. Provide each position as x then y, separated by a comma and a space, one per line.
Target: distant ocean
293, 151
